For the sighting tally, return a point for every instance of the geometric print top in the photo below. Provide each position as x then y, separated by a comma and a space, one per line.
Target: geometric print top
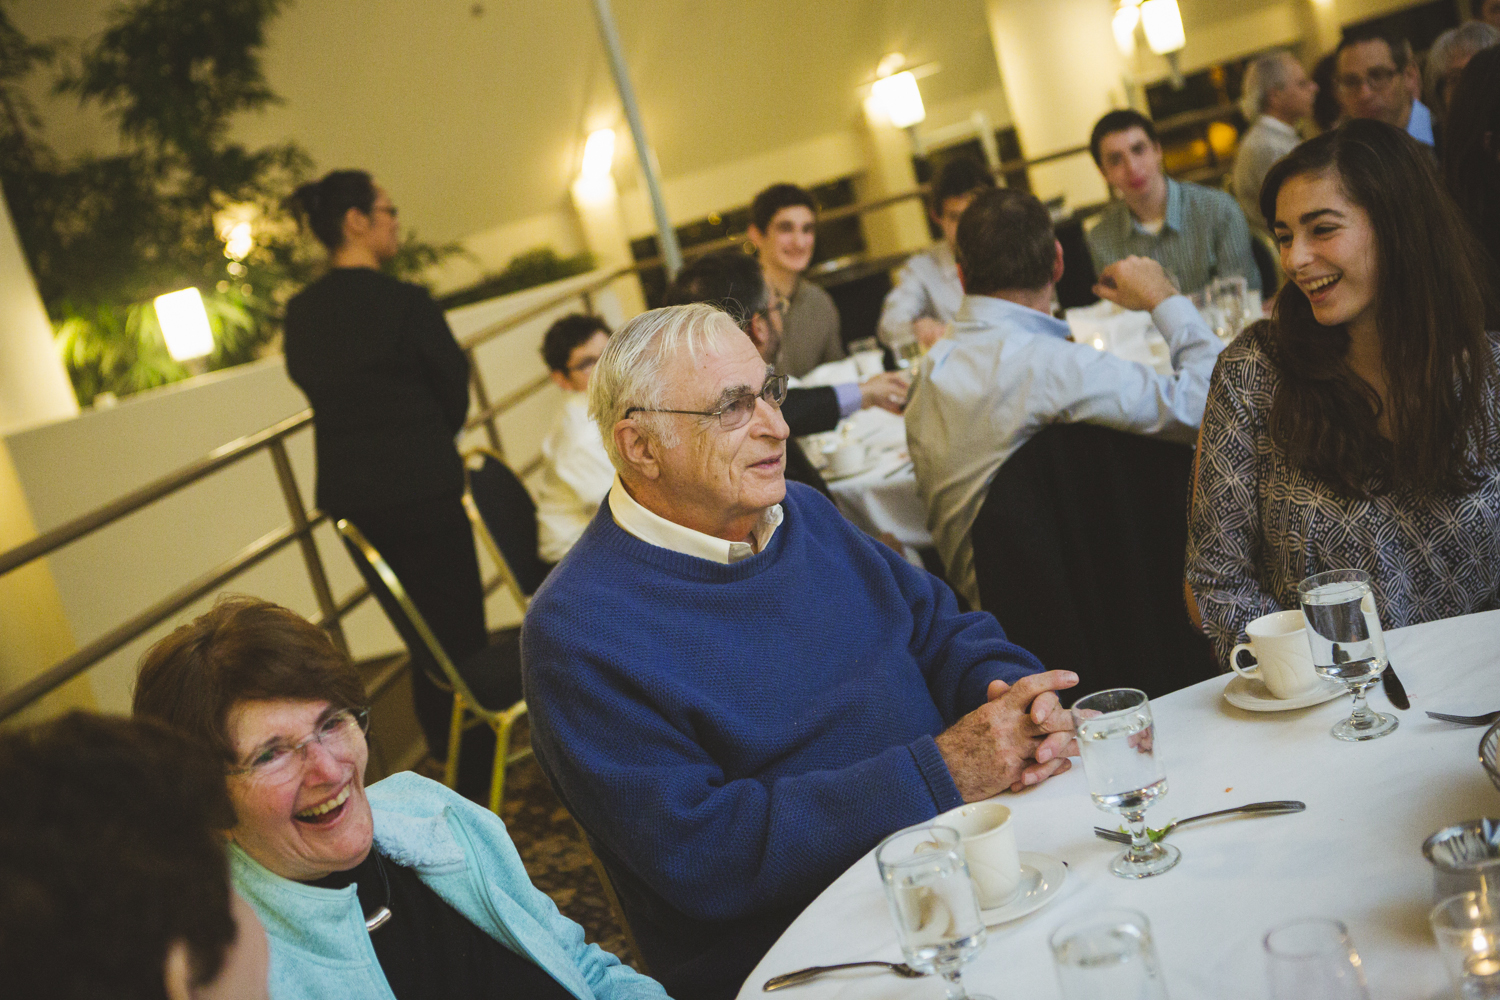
1259, 526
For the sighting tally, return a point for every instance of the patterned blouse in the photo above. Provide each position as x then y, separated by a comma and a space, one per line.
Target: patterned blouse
1259, 526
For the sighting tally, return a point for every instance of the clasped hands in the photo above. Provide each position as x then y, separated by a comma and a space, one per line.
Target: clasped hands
1019, 737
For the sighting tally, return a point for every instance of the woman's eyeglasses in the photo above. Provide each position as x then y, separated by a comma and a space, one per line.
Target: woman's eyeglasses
737, 409
279, 763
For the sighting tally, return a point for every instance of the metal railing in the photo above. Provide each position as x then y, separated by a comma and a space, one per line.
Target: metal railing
303, 520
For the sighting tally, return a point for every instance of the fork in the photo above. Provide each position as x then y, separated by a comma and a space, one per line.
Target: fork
1466, 720
813, 972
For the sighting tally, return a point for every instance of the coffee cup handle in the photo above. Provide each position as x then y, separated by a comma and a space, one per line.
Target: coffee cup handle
1234, 663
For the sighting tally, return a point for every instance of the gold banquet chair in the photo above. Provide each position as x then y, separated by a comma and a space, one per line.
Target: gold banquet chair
486, 686
504, 517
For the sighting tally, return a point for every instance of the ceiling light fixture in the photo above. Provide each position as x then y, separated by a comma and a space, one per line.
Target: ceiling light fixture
901, 99
598, 154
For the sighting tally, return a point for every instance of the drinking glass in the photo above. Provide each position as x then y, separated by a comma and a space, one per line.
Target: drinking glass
1107, 954
1343, 629
1314, 960
1117, 740
933, 903
1228, 296
1467, 928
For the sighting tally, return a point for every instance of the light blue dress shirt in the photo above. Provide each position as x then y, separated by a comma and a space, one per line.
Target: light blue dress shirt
1419, 125
926, 286
1007, 371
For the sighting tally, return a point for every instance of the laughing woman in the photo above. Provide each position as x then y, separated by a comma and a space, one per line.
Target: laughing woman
403, 889
1360, 427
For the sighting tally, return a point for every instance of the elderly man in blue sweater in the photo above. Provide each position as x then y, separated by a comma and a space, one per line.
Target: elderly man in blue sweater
735, 691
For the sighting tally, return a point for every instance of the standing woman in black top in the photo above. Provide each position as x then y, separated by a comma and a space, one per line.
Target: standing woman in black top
389, 388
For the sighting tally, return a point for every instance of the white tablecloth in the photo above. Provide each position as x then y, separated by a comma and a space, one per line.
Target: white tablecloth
883, 499
1355, 854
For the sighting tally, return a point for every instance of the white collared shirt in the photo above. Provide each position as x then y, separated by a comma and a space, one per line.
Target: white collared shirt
576, 476
653, 529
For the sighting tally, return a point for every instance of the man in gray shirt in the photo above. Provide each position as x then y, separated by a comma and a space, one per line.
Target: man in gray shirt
928, 291
1008, 368
1196, 233
1277, 95
783, 227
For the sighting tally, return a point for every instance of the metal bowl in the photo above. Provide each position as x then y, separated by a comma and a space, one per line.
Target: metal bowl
1489, 750
1465, 857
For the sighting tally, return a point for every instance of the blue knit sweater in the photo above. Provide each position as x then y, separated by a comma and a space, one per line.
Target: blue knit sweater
733, 737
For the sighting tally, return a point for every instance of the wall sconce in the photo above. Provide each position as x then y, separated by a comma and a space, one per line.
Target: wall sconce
184, 324
900, 99
1162, 22
598, 154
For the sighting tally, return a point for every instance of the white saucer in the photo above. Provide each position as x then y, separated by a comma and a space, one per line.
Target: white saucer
1041, 877
1252, 696
830, 476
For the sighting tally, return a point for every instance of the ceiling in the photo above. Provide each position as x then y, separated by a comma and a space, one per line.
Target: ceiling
473, 112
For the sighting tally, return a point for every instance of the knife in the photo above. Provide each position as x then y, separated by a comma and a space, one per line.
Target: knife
1393, 688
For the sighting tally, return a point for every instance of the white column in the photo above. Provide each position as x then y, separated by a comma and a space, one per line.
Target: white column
34, 386
902, 227
597, 202
1061, 71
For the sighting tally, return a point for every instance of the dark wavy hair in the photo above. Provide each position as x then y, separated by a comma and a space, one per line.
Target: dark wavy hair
322, 204
110, 853
1430, 307
1471, 147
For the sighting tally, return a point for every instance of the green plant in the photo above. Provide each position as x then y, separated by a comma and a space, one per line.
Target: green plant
525, 270
106, 234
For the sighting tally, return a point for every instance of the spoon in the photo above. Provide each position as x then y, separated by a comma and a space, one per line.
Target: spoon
813, 972
1254, 809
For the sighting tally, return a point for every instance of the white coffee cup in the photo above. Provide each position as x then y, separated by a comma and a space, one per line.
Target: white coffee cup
868, 364
1283, 659
989, 839
847, 459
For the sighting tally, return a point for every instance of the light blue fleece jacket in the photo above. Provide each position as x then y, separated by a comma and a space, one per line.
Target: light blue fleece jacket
319, 945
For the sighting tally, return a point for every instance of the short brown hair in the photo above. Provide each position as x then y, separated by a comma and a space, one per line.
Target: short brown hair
1005, 241
244, 649
109, 854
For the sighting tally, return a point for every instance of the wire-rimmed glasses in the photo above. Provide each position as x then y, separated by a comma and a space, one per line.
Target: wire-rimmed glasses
1117, 740
933, 902
278, 763
1343, 631
734, 412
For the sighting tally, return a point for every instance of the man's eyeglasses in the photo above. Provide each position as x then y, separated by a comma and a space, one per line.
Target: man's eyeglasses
737, 410
279, 763
1376, 79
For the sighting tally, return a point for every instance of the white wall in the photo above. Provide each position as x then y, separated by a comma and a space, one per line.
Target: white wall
72, 466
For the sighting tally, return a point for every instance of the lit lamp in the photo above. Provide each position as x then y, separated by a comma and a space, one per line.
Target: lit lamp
1162, 22
1126, 18
184, 324
900, 98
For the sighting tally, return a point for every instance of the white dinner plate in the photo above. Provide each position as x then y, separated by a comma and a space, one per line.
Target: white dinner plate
1041, 877
1252, 696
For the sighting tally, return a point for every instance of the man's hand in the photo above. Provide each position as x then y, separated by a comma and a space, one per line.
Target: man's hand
886, 390
1135, 283
929, 331
1020, 737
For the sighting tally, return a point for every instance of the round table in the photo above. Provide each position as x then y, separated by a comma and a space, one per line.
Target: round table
1355, 854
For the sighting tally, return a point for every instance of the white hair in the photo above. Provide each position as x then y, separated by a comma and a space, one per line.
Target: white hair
1453, 45
1266, 75
631, 370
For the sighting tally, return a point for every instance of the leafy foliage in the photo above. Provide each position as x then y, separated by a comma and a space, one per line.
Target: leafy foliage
525, 270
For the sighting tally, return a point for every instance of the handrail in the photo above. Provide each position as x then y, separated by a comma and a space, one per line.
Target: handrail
215, 460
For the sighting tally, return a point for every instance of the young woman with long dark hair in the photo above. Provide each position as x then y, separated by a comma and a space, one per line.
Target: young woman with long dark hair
389, 388
1360, 426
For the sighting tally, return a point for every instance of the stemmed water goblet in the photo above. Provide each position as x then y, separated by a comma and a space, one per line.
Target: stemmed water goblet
933, 902
1116, 737
1343, 630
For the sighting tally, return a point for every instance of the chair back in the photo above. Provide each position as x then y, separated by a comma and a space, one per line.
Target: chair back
427, 654
504, 516
1079, 549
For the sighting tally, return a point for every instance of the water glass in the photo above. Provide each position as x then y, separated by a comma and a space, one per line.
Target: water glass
1343, 630
1228, 296
1117, 740
933, 902
1107, 954
1314, 959
1467, 928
